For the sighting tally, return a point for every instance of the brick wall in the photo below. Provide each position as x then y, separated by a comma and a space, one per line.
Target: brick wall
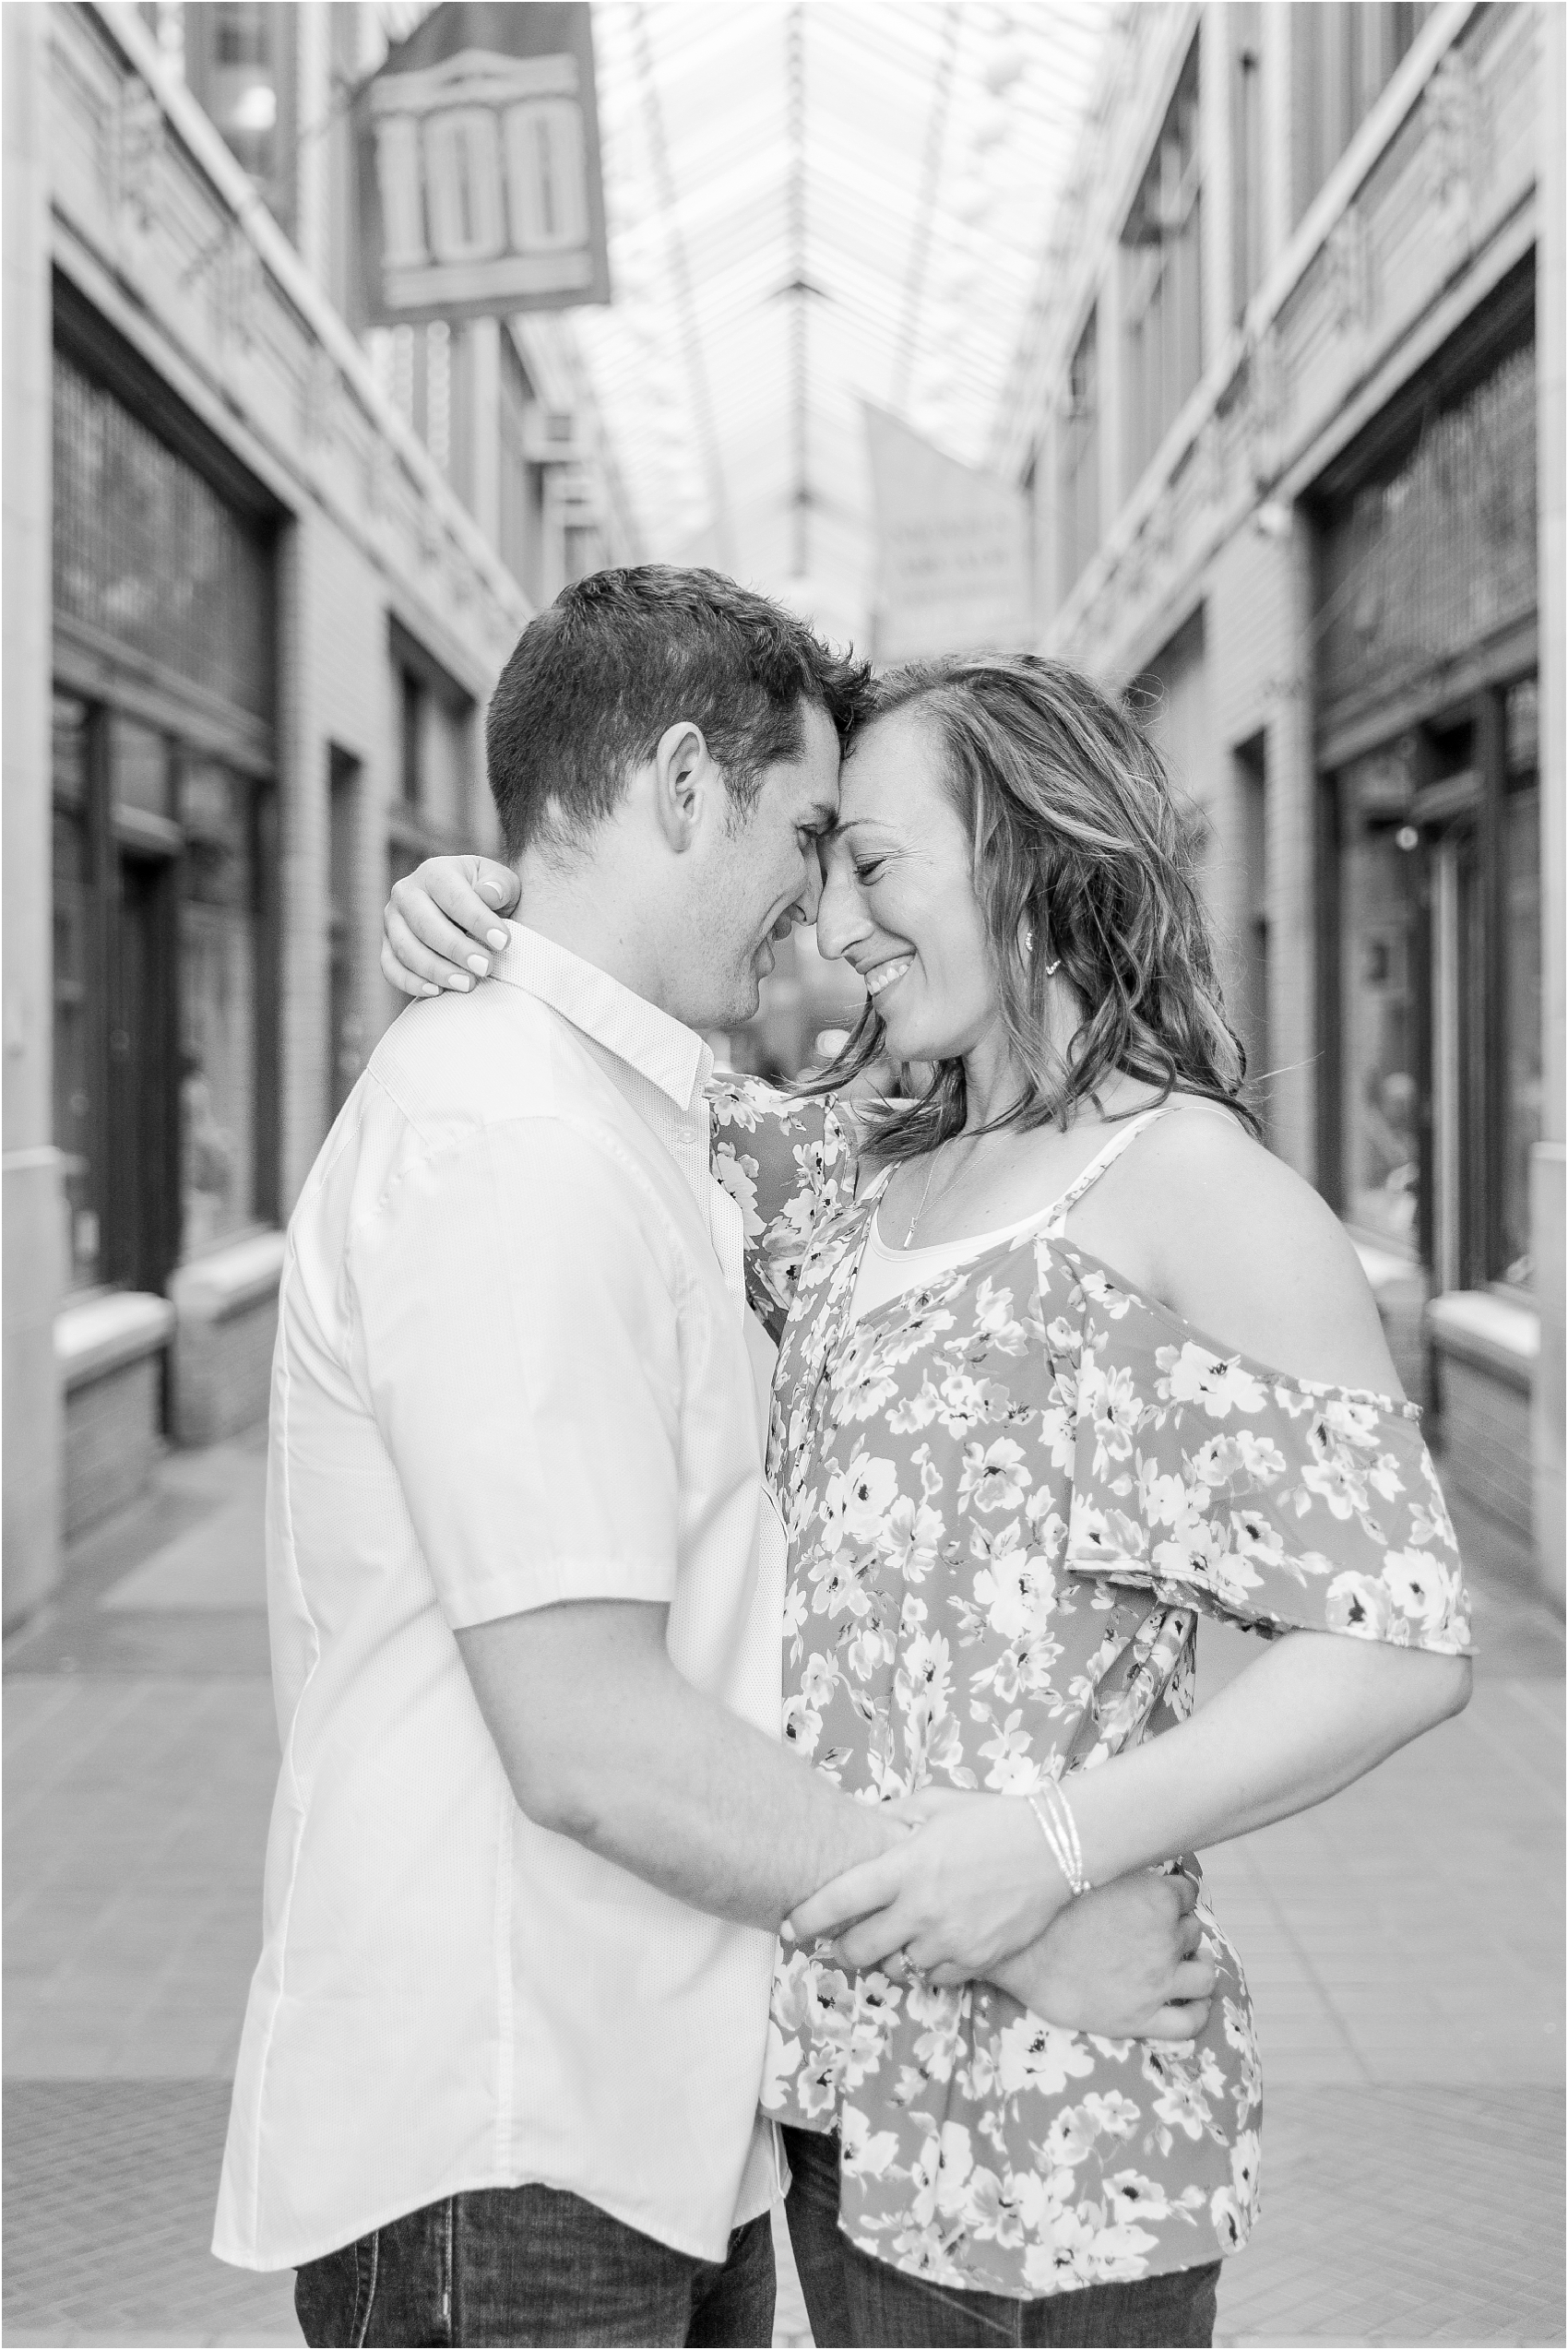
111, 1440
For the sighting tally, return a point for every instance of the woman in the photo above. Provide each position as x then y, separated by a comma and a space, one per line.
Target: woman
1080, 1363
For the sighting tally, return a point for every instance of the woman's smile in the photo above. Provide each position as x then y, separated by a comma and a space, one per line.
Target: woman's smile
883, 976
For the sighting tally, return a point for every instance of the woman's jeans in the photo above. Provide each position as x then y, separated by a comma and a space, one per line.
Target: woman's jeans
534, 2265
855, 2301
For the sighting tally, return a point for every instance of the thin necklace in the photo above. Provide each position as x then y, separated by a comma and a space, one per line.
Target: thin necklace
924, 1196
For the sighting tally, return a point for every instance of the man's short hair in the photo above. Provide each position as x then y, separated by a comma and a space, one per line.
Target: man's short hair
595, 680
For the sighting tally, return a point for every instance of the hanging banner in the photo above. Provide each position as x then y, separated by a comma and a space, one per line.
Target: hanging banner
477, 144
952, 550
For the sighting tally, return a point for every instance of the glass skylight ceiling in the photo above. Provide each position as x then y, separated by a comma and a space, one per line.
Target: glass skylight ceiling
812, 205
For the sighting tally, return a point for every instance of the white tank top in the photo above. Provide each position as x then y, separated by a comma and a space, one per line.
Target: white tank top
885, 1273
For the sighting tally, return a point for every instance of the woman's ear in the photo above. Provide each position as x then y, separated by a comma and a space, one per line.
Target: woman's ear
682, 779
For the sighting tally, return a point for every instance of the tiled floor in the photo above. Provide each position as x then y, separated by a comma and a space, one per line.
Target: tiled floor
1404, 1943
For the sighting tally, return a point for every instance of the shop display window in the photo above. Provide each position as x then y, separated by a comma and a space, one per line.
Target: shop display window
165, 850
1520, 985
1438, 913
217, 1006
147, 554
1381, 1084
76, 1092
143, 769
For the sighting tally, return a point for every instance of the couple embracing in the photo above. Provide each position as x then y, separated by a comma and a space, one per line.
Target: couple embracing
735, 1558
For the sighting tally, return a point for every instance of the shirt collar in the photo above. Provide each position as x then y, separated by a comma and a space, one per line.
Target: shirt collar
668, 1054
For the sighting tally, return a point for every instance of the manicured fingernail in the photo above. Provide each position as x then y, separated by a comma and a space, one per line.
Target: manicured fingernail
460, 981
478, 967
491, 893
428, 988
498, 940
786, 1932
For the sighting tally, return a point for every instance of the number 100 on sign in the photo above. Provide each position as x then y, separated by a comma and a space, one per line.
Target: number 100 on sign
482, 185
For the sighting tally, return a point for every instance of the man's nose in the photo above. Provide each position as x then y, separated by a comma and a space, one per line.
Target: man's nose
810, 898
840, 916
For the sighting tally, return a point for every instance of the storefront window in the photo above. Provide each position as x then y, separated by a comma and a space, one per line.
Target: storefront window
1382, 1091
142, 772
1522, 1029
217, 1006
74, 1089
165, 858
147, 553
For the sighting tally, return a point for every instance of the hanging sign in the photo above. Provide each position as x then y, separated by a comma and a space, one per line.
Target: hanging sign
479, 190
952, 550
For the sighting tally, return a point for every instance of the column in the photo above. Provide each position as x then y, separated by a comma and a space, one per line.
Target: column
1547, 1170
34, 1209
1273, 38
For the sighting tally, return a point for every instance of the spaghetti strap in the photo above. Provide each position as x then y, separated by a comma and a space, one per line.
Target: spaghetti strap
1056, 1217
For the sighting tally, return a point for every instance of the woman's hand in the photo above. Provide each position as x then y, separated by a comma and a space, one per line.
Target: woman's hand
973, 1886
438, 920
1124, 1961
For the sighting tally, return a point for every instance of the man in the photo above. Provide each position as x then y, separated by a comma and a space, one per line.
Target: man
535, 1832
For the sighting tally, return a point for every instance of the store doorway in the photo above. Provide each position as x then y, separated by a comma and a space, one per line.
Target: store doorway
143, 1191
1453, 1171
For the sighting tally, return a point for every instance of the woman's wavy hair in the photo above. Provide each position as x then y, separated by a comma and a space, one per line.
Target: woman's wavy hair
1077, 839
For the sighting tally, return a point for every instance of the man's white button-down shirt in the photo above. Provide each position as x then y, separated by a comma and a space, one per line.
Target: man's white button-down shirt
513, 1367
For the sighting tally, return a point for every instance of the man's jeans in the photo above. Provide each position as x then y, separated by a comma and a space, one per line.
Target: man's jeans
853, 2299
533, 2264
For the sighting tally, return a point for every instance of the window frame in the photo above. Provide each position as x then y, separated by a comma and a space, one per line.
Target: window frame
1467, 811
1160, 279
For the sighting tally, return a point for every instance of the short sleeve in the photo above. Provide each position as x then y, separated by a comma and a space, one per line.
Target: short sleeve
1274, 1503
787, 1162
517, 1303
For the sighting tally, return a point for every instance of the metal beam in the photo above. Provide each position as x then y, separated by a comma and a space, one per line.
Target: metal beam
925, 210
685, 296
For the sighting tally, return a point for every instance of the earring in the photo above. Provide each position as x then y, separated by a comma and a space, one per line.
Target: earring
1025, 948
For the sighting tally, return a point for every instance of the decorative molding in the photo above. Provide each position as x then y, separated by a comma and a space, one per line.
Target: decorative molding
320, 396
1450, 146
1260, 409
1347, 271
237, 290
377, 480
136, 151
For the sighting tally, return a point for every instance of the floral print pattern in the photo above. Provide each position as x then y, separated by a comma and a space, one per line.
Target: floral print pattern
787, 1164
1009, 1497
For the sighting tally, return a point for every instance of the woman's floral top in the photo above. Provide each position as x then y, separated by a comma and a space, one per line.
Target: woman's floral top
787, 1164
1008, 1497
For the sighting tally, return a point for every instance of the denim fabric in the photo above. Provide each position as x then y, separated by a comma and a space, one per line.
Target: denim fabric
533, 2265
855, 2301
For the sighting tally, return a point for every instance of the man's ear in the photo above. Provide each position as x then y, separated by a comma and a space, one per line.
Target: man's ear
683, 779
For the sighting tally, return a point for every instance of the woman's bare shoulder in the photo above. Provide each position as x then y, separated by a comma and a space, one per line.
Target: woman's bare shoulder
1245, 1249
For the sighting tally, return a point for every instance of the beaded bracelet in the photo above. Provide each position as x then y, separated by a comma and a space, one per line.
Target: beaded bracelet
1057, 1825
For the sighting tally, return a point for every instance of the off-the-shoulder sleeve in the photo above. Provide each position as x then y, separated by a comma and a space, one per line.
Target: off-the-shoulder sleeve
787, 1163
1278, 1505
